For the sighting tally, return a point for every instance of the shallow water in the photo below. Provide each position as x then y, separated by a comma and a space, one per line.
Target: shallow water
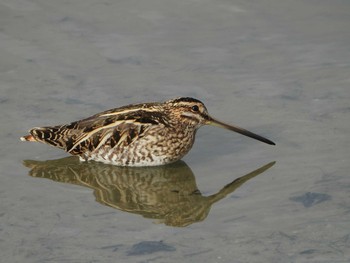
278, 68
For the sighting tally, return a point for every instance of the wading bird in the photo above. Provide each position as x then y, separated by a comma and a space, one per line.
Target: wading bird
135, 135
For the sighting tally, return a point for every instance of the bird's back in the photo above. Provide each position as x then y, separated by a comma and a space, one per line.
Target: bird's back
134, 135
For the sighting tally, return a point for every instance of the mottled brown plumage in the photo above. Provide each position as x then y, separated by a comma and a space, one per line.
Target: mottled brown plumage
134, 135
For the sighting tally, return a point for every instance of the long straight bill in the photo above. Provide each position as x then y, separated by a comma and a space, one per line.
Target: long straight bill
211, 121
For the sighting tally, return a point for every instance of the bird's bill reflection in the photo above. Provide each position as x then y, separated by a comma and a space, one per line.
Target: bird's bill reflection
166, 193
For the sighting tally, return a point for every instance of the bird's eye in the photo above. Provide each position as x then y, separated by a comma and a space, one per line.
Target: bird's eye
195, 108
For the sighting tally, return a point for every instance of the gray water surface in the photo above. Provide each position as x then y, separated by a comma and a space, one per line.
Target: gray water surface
277, 68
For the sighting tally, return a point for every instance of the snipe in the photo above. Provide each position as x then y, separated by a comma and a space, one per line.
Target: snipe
135, 135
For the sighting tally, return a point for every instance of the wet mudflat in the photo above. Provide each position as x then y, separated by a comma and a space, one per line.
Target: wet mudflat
280, 69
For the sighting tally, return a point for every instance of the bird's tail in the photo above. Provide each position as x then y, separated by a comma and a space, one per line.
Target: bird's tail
28, 138
48, 135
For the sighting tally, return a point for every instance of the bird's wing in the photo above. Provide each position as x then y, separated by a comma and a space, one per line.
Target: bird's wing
113, 127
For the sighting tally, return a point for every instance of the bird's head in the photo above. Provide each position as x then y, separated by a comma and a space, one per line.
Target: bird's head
188, 111
193, 113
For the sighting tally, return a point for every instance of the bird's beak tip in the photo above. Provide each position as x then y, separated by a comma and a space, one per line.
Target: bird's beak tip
271, 142
213, 122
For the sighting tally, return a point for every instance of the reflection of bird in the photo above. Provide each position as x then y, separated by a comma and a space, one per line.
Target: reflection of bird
135, 135
168, 193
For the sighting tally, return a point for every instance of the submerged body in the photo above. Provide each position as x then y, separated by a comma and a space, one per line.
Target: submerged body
136, 135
